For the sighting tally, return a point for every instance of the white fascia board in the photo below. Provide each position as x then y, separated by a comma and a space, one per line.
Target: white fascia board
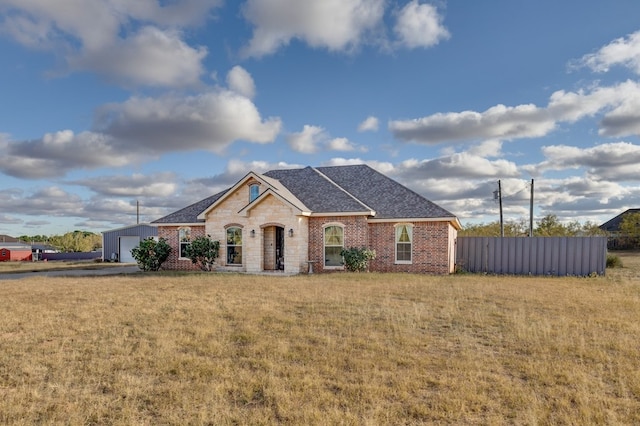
332, 214
172, 225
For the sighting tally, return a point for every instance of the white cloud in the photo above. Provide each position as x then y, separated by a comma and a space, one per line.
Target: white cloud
498, 122
210, 121
140, 129
47, 201
57, 153
132, 43
624, 51
240, 81
616, 161
308, 140
136, 185
336, 25
343, 144
370, 124
619, 104
488, 148
151, 57
312, 139
419, 25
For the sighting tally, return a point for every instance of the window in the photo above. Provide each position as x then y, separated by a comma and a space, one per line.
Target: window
234, 246
333, 245
404, 237
254, 191
184, 236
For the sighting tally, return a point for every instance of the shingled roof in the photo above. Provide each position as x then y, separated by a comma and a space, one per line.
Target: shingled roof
356, 189
385, 196
613, 225
190, 213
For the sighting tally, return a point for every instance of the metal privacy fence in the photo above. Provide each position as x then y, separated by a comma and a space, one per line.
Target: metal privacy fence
559, 256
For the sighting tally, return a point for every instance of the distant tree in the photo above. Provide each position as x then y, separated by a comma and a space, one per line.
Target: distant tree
76, 241
492, 229
630, 229
550, 226
203, 251
592, 229
151, 254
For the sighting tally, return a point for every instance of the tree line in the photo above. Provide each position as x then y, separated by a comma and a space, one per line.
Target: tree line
548, 226
628, 235
75, 241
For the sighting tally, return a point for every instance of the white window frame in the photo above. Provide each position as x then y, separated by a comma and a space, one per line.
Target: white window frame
226, 233
324, 245
184, 240
398, 232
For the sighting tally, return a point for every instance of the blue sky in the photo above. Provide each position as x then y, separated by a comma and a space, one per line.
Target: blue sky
106, 103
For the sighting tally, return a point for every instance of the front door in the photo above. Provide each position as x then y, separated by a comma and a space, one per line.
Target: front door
273, 248
279, 248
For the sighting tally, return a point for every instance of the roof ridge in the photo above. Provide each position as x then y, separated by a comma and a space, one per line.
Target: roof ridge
342, 189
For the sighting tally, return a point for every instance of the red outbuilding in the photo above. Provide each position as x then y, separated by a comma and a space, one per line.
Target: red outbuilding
15, 252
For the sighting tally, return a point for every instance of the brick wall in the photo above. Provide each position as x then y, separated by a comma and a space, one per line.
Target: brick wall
356, 234
430, 250
170, 233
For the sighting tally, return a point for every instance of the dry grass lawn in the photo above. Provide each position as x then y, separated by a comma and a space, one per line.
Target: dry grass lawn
352, 349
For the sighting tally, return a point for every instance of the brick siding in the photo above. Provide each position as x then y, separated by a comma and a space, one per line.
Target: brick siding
170, 233
430, 248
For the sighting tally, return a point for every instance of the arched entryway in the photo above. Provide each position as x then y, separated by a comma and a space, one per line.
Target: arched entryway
273, 248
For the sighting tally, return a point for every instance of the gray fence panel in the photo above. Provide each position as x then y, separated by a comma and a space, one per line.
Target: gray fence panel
558, 256
71, 256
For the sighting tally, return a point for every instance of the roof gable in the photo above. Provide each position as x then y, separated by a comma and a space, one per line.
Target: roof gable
272, 186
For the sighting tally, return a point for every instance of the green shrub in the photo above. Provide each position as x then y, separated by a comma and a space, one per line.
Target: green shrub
613, 261
151, 254
357, 259
203, 252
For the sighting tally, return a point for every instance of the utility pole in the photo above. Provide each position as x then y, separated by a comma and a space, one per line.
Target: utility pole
498, 194
137, 212
531, 212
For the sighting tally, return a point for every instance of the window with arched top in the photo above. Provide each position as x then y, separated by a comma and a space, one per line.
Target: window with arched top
333, 245
404, 243
234, 246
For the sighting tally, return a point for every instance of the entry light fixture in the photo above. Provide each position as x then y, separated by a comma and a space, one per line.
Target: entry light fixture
253, 233
291, 232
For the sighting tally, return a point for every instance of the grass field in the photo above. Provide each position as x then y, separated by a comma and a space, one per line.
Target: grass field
353, 349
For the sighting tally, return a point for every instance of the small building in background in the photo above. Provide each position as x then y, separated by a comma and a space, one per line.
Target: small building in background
117, 243
617, 239
15, 252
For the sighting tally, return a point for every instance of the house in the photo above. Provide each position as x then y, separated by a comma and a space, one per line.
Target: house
15, 252
617, 240
38, 250
117, 243
299, 219
8, 239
